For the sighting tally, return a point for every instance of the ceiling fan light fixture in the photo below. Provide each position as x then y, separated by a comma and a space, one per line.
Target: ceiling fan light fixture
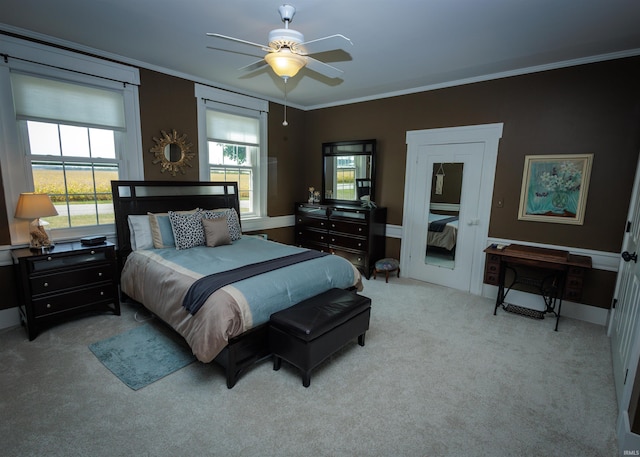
285, 63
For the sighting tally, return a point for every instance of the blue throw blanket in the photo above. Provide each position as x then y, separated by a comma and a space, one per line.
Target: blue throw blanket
438, 226
201, 289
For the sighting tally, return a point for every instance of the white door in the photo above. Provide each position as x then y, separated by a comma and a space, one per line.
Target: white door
442, 263
625, 326
474, 149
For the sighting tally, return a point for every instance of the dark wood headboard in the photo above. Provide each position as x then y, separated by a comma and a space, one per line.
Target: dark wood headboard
142, 197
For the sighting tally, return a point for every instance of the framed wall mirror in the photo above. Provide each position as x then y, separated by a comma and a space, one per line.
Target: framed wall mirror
348, 171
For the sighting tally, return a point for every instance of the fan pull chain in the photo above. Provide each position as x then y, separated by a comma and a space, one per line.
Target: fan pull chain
285, 123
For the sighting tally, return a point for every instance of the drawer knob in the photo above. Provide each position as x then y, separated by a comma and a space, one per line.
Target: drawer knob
49, 258
93, 252
359, 229
333, 239
101, 292
48, 305
99, 273
333, 225
359, 244
46, 284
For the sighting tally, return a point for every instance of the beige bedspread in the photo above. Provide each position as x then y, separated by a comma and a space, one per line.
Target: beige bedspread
147, 279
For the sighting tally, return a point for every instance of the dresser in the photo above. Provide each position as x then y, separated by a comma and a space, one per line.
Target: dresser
352, 232
68, 280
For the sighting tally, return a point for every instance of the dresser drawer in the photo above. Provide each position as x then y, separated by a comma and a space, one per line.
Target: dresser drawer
351, 242
312, 236
68, 279
312, 222
74, 299
356, 258
353, 228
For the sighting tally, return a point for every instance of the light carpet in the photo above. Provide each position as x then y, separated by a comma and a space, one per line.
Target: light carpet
439, 376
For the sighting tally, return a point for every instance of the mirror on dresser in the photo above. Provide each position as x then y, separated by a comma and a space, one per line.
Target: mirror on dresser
348, 171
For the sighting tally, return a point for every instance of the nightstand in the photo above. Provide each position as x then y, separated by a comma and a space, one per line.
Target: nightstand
68, 280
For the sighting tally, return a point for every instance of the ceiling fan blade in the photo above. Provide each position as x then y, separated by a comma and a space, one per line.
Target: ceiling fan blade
323, 68
255, 65
323, 44
238, 40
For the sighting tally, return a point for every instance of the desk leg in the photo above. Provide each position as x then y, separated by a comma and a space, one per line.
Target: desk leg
500, 297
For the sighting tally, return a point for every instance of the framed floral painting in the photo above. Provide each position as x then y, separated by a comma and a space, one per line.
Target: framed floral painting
554, 188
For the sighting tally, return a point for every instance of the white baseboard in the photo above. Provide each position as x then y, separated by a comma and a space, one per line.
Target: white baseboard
587, 313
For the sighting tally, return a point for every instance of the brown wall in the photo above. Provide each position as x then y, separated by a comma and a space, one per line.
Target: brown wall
167, 103
591, 108
586, 109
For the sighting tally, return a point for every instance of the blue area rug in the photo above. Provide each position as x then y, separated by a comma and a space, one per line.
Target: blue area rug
143, 355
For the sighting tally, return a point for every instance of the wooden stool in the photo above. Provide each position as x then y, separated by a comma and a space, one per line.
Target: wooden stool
386, 266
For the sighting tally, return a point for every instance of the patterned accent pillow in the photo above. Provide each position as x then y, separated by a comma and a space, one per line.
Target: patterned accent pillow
233, 221
187, 229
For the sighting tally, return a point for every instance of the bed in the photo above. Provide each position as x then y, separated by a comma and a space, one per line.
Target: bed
226, 321
443, 232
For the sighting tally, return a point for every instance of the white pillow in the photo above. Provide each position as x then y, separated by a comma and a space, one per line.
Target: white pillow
140, 232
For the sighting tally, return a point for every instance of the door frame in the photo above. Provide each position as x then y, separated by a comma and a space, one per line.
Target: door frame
490, 135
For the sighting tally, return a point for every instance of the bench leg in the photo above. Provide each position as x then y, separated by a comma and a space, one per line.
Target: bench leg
361, 340
277, 361
306, 378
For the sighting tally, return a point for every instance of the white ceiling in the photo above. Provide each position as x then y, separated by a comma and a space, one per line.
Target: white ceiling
398, 47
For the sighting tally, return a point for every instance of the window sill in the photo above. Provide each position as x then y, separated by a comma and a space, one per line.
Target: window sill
252, 224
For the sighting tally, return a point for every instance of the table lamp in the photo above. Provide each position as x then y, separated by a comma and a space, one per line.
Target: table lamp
34, 206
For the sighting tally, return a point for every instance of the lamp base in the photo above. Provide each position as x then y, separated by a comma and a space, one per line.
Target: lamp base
39, 236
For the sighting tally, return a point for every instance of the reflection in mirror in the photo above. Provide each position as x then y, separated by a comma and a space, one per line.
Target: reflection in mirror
172, 152
444, 210
343, 173
348, 170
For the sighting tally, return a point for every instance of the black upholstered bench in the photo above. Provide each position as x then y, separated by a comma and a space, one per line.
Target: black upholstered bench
309, 332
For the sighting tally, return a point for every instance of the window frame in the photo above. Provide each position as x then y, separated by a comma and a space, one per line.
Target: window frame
45, 61
240, 105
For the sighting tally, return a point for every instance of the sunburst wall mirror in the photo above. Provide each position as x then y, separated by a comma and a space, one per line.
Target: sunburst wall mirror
172, 152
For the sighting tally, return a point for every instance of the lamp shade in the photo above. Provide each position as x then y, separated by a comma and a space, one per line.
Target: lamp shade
285, 63
33, 206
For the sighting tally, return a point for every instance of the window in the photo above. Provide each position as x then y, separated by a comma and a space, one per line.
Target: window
75, 166
232, 139
233, 146
72, 126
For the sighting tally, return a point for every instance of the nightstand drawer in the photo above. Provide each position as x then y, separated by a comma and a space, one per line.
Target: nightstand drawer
74, 299
53, 262
71, 278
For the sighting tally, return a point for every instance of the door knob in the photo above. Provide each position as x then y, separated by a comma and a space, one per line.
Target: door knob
626, 256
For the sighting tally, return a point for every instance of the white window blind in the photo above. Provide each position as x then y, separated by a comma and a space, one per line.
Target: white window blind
232, 128
50, 100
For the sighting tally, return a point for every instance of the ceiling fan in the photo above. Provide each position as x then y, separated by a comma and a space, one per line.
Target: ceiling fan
287, 52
